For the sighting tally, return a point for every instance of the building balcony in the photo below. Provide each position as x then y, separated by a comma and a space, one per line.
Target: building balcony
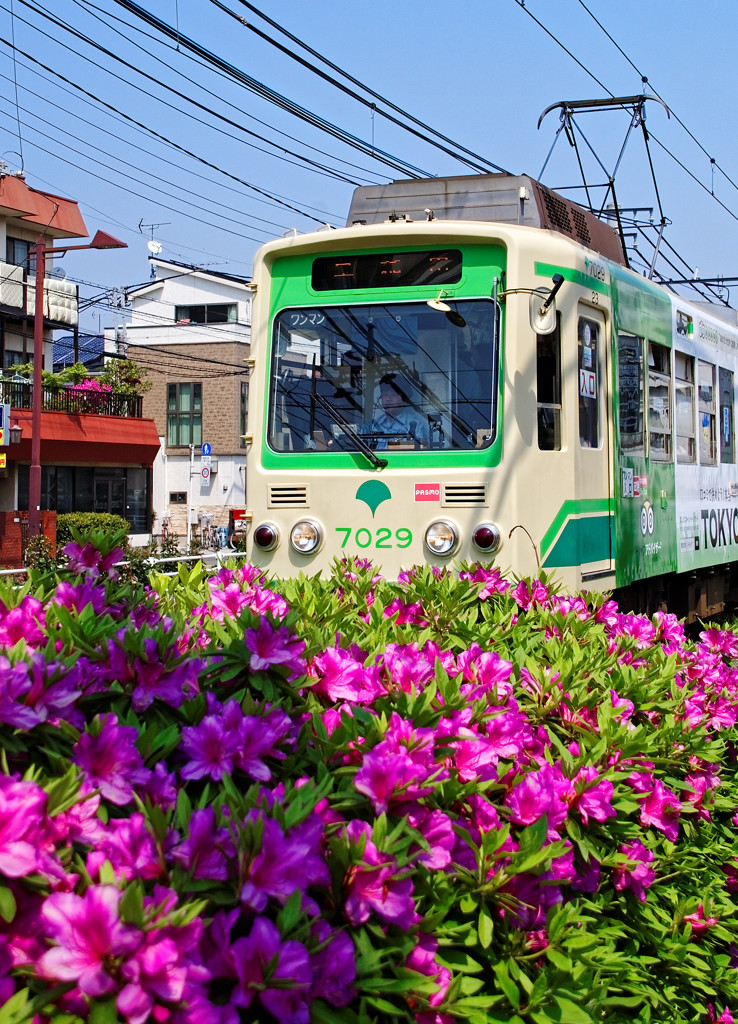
18, 296
19, 395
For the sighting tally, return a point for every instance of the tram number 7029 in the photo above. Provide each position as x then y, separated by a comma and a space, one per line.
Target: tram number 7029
383, 538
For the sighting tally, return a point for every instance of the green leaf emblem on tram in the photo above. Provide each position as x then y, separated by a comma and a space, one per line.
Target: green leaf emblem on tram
373, 493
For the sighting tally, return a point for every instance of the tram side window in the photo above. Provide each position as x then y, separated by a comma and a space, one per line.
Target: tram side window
588, 334
706, 409
727, 446
684, 414
548, 389
630, 393
659, 403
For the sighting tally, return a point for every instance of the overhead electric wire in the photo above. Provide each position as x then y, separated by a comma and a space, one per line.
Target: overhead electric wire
252, 84
312, 164
91, 8
647, 81
120, 161
479, 163
650, 134
263, 192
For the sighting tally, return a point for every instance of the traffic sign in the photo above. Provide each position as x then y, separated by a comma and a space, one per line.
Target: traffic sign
205, 473
206, 448
206, 459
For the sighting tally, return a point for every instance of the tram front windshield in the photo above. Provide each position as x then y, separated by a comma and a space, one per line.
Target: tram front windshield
399, 376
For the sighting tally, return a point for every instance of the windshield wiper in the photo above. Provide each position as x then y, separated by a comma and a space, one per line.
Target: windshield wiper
349, 431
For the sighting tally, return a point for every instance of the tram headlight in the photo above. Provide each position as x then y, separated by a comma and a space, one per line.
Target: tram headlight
266, 536
441, 537
306, 536
487, 538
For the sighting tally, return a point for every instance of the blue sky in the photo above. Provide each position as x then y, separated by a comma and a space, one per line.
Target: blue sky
134, 152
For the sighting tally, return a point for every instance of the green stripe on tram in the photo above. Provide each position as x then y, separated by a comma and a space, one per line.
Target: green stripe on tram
580, 533
575, 276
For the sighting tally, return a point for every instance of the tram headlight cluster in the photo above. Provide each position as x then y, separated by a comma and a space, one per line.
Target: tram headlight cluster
442, 537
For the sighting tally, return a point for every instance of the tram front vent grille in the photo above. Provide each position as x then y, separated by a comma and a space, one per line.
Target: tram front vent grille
464, 495
288, 496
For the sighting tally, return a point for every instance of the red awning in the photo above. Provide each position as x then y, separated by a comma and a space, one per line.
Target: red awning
68, 439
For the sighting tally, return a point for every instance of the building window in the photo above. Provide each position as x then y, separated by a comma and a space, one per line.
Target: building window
184, 415
659, 403
213, 313
548, 386
684, 391
630, 393
20, 254
178, 497
727, 448
244, 409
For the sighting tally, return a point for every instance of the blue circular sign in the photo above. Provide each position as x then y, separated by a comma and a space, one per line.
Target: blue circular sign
206, 449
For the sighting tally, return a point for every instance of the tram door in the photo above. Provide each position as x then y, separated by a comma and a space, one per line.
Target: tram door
592, 458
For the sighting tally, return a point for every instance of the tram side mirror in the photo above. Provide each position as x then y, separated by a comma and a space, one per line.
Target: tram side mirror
542, 308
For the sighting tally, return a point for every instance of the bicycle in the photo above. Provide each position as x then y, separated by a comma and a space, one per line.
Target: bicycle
164, 528
208, 535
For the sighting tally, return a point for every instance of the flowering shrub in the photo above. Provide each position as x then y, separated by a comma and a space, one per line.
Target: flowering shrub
456, 797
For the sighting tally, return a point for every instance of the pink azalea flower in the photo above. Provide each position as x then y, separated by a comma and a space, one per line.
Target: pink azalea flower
89, 938
590, 797
638, 877
491, 580
529, 597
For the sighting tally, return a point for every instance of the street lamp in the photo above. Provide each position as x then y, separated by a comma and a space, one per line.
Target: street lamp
40, 251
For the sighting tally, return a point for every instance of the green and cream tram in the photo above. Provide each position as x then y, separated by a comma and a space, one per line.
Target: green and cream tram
469, 371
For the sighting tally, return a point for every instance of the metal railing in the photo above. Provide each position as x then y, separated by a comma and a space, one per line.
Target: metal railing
212, 560
19, 395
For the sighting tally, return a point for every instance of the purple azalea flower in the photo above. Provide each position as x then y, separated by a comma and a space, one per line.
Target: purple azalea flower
89, 936
262, 958
211, 749
333, 966
284, 862
110, 761
77, 596
270, 646
422, 958
206, 851
15, 685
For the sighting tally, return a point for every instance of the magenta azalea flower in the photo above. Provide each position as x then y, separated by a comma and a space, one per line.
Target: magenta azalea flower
661, 807
89, 937
22, 824
422, 958
539, 792
25, 622
340, 676
373, 886
638, 877
284, 863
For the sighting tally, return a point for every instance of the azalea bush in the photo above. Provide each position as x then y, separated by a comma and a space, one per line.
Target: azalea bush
454, 797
